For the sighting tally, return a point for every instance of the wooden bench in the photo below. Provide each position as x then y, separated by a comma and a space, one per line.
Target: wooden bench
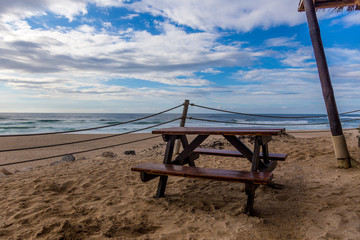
251, 179
235, 153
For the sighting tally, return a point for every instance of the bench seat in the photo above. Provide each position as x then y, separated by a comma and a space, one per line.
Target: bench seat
205, 173
251, 179
235, 153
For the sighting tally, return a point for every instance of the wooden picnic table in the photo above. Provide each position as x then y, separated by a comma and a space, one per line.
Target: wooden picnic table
262, 163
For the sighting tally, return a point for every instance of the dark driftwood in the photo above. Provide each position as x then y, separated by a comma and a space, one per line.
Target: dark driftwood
205, 173
235, 153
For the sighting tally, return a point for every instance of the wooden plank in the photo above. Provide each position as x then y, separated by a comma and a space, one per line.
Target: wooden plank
335, 3
205, 173
319, 4
219, 131
235, 153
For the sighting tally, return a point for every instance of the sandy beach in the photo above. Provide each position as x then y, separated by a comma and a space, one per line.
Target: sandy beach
98, 197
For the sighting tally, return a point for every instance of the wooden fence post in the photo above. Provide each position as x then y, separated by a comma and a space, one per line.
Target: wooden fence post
182, 124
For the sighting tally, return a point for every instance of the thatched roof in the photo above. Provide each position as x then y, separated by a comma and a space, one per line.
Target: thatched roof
339, 5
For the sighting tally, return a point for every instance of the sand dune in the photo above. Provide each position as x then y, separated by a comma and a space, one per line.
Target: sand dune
98, 197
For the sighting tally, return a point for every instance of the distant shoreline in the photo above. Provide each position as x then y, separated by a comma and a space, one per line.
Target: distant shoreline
26, 123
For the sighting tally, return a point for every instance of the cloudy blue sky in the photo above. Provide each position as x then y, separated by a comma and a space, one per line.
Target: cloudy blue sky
148, 55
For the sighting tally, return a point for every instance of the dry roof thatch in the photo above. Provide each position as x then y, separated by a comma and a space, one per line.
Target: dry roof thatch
338, 5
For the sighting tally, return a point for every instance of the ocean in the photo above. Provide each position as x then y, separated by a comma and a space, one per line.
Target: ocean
30, 123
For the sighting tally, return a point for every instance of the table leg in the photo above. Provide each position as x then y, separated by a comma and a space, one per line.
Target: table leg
266, 165
185, 154
250, 192
255, 160
167, 159
185, 145
265, 152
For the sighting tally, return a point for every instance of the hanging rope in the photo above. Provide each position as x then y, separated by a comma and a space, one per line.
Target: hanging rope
94, 128
88, 140
266, 116
317, 131
84, 151
269, 124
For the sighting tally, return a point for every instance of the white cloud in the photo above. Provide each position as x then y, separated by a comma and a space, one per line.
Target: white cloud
107, 24
287, 75
240, 15
263, 93
344, 64
349, 20
76, 63
343, 55
130, 16
302, 57
282, 42
54, 88
211, 70
19, 9
85, 54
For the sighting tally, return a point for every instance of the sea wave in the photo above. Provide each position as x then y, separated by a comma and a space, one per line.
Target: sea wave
49, 120
17, 127
275, 122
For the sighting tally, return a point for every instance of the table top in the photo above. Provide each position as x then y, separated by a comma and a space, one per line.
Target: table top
219, 131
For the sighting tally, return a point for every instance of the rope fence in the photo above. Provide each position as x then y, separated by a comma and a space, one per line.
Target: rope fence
88, 140
273, 116
268, 124
182, 118
94, 128
84, 151
318, 131
266, 116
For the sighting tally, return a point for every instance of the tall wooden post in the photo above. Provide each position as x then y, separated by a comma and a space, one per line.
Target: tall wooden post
182, 124
340, 147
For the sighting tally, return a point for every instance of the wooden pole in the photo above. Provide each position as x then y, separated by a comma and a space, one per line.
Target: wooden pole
340, 147
182, 124
358, 137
